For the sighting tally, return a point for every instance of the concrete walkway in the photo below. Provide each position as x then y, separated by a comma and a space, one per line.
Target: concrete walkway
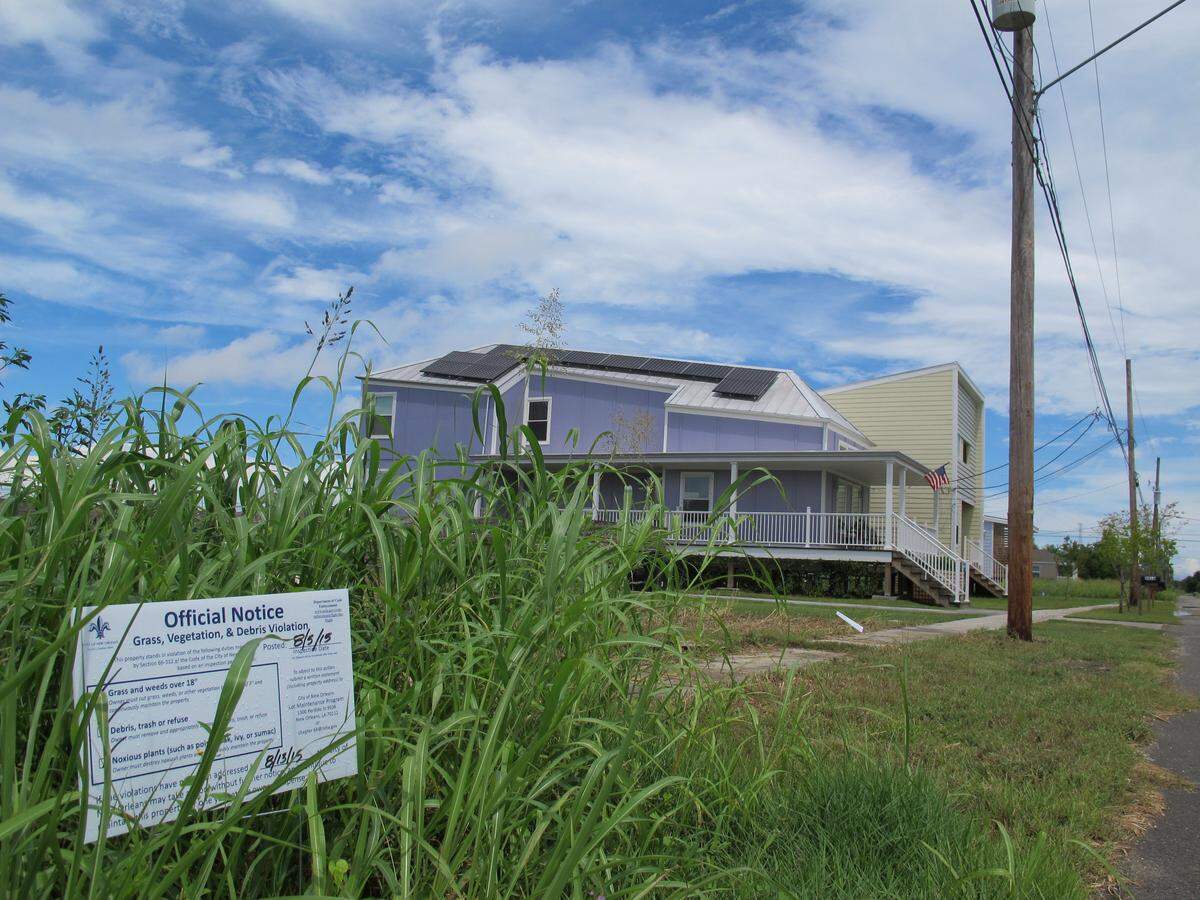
826, 604
1165, 864
910, 633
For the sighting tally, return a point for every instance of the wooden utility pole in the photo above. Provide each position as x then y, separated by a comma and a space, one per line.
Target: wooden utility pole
1134, 592
1159, 563
1020, 388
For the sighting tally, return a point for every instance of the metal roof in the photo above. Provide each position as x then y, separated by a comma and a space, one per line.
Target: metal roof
697, 386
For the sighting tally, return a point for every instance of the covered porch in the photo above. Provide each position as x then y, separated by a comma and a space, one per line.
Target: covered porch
799, 499
786, 505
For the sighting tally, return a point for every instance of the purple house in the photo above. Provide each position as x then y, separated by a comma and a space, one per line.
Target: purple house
696, 426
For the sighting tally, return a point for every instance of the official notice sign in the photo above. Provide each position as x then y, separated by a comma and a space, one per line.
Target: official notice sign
162, 667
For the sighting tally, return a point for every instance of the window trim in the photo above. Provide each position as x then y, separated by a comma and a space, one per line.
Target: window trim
712, 488
372, 414
549, 401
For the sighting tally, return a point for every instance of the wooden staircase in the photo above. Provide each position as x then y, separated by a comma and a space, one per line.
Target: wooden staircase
925, 587
992, 587
987, 571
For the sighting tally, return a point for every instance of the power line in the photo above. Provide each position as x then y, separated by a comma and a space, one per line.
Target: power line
1112, 222
1082, 192
1066, 467
1093, 415
1054, 459
1046, 182
1081, 494
1107, 47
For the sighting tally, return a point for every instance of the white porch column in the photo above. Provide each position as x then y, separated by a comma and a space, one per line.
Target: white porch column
903, 485
733, 498
887, 507
595, 494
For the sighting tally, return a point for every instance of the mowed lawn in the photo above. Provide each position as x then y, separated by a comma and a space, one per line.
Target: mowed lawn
1038, 741
1159, 611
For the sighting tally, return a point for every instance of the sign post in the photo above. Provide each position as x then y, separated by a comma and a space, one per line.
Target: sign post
161, 668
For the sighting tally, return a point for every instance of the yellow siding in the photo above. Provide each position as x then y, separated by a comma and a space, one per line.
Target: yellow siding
916, 416
971, 409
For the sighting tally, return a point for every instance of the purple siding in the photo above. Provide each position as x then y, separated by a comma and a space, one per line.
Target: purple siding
692, 433
593, 408
795, 492
427, 419
514, 400
833, 437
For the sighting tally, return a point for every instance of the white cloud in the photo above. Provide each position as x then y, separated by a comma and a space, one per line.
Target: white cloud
260, 358
299, 169
51, 23
607, 178
83, 134
310, 283
252, 208
40, 212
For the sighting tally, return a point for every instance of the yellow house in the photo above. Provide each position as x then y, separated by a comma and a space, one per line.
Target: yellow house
935, 415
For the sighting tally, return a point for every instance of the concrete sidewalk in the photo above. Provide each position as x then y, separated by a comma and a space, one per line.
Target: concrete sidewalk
828, 604
911, 633
1165, 864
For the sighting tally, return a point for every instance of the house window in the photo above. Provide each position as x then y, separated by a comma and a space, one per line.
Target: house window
965, 452
849, 497
1037, 571
381, 410
696, 491
537, 417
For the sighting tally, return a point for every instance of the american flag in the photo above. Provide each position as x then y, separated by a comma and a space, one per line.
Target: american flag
937, 478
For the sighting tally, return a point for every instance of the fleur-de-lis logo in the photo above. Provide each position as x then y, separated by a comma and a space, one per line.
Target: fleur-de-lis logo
99, 627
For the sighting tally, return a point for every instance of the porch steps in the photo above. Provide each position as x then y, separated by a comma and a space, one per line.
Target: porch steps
987, 583
925, 587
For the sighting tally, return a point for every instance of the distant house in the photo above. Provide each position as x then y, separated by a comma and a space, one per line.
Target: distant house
1045, 564
847, 489
995, 536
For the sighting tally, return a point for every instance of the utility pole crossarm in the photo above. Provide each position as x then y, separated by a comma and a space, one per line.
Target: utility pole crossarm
1107, 47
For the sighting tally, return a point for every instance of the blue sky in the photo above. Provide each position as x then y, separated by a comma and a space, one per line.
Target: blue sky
819, 185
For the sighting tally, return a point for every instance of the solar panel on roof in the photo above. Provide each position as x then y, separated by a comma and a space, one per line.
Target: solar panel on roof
621, 362
747, 384
707, 371
489, 369
664, 366
582, 358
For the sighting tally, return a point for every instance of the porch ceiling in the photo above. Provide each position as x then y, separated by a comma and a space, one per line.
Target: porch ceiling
864, 466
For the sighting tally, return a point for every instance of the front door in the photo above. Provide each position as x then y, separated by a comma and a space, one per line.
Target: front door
965, 527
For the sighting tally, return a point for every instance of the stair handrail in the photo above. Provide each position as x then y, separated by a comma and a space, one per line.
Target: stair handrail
930, 555
989, 565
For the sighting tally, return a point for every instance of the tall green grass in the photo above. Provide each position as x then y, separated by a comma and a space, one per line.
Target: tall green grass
1082, 588
527, 725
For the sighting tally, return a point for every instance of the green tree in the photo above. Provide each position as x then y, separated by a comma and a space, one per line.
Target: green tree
13, 357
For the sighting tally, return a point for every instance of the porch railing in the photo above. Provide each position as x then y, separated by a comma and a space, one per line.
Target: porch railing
987, 564
841, 531
854, 531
